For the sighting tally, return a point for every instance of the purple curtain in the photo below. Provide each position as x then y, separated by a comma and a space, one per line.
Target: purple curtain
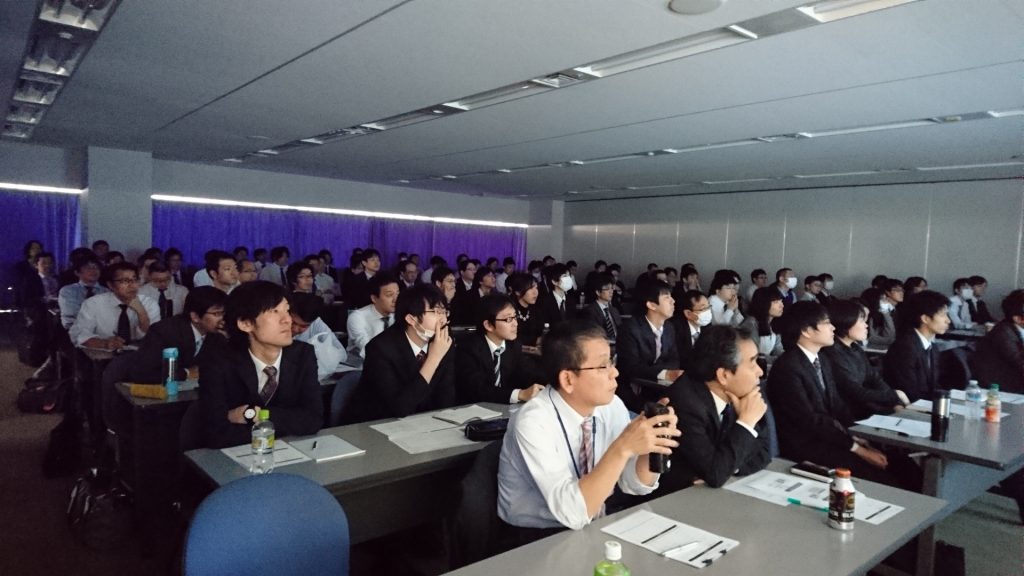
196, 228
50, 218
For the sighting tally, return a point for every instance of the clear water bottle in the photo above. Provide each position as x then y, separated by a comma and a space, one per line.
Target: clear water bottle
612, 564
975, 400
262, 444
993, 405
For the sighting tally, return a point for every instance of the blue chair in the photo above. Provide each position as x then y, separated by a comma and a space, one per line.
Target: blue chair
268, 524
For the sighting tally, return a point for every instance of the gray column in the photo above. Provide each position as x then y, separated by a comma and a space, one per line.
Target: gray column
117, 207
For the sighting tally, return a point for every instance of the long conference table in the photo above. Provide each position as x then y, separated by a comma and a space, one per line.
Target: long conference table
773, 539
383, 491
976, 456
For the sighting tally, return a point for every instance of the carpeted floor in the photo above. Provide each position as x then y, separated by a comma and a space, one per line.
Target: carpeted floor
37, 540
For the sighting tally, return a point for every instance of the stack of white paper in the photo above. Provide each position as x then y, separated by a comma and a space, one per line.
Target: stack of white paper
671, 539
284, 454
433, 430
904, 426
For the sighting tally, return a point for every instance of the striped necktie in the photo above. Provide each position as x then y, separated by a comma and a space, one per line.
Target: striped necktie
497, 367
271, 386
609, 324
586, 446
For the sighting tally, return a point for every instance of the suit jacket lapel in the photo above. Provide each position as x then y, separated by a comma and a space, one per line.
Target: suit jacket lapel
808, 368
247, 372
709, 407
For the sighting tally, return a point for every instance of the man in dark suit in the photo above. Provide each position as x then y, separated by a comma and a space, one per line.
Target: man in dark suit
409, 367
556, 304
1000, 355
262, 368
600, 290
356, 290
976, 306
912, 361
489, 365
721, 411
810, 415
693, 313
467, 270
646, 345
408, 275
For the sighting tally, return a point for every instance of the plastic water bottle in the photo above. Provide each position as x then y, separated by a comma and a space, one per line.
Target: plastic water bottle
993, 405
262, 444
170, 371
975, 400
612, 564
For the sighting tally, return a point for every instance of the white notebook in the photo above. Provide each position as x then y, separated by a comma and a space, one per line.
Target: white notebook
326, 448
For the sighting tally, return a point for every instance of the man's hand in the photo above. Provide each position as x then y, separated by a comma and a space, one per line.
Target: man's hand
113, 343
441, 343
643, 436
527, 393
237, 415
136, 305
673, 375
750, 408
872, 456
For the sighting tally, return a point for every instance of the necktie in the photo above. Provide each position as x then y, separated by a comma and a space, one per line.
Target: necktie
657, 345
974, 310
387, 321
199, 345
561, 309
124, 326
421, 357
166, 311
609, 325
89, 291
270, 387
728, 418
284, 280
821, 382
587, 446
497, 367
177, 278
695, 336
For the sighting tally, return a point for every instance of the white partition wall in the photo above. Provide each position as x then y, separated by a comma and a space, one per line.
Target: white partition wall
939, 231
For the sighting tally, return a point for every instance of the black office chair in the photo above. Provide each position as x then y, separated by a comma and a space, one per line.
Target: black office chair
954, 369
475, 527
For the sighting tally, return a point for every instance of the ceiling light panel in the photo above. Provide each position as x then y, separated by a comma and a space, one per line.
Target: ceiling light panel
35, 88
25, 113
664, 52
83, 14
17, 131
832, 10
55, 51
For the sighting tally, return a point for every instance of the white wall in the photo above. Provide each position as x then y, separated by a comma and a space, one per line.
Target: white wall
939, 231
41, 165
185, 179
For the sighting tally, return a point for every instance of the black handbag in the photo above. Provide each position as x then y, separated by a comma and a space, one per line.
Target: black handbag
486, 430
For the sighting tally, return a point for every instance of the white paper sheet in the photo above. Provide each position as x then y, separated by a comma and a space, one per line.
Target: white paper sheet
284, 454
958, 409
411, 425
437, 440
899, 425
671, 539
1005, 397
460, 416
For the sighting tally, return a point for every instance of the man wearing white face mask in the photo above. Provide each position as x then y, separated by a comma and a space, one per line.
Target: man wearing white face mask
825, 296
557, 304
959, 309
409, 367
785, 281
693, 312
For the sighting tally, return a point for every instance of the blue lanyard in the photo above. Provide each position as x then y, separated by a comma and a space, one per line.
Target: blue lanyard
593, 436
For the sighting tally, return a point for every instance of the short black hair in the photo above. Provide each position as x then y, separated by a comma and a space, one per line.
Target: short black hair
114, 254
171, 252
757, 272
879, 280
355, 260
113, 269
258, 252
687, 270
614, 268
440, 273
278, 251
380, 280
416, 300
652, 266
812, 279
464, 263
491, 260
154, 266
924, 303
653, 290
717, 347
239, 249
563, 347
891, 284
555, 272
325, 253
599, 281
844, 314
825, 276
723, 278
960, 283
436, 260
481, 273
45, 254
99, 243
489, 308
1013, 304
508, 261
534, 265
781, 273
686, 299
213, 258
600, 263
571, 264
461, 257
291, 273
246, 302
306, 306
977, 280
201, 298
369, 253
404, 265
913, 282
760, 305
82, 261
798, 317
519, 283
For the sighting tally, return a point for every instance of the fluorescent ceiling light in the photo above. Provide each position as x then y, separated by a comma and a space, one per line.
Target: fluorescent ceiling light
968, 166
1005, 113
497, 96
742, 31
740, 181
832, 10
340, 211
664, 52
719, 145
862, 129
845, 174
36, 188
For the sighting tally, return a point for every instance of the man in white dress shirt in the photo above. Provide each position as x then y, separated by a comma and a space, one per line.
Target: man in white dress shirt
111, 320
568, 447
169, 296
274, 271
370, 320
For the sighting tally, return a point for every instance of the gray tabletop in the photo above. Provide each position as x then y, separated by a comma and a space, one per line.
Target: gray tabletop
773, 539
999, 446
139, 402
383, 461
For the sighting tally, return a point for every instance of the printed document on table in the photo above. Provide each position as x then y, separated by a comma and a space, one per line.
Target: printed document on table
778, 488
958, 409
899, 425
284, 454
1005, 397
460, 416
437, 440
418, 424
670, 539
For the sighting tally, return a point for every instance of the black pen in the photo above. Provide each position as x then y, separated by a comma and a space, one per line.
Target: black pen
663, 532
314, 445
706, 550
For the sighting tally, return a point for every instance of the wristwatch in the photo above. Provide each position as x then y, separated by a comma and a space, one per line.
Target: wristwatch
249, 414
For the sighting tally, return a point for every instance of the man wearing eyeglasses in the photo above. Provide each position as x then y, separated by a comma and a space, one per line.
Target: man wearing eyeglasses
409, 367
567, 449
115, 318
489, 365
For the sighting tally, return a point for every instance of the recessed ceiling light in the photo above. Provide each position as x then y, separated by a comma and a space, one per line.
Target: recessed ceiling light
234, 160
1005, 113
258, 137
968, 166
832, 10
862, 129
742, 31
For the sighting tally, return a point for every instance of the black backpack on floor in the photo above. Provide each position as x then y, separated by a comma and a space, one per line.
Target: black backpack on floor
41, 397
100, 511
64, 451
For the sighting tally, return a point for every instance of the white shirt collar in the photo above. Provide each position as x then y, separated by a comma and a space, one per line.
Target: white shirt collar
493, 346
468, 285
558, 299
694, 330
719, 403
416, 349
810, 355
260, 365
924, 341
199, 337
657, 331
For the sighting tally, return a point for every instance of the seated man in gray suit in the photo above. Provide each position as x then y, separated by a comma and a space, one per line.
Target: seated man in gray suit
646, 345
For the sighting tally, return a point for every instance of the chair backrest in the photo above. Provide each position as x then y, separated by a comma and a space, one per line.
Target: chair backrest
268, 524
954, 369
342, 393
475, 527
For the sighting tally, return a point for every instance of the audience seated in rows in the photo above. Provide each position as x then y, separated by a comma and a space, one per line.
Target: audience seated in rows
367, 322
692, 314
912, 362
646, 346
115, 318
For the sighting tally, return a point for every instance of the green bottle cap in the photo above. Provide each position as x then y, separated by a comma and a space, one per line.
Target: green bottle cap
264, 415
994, 386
